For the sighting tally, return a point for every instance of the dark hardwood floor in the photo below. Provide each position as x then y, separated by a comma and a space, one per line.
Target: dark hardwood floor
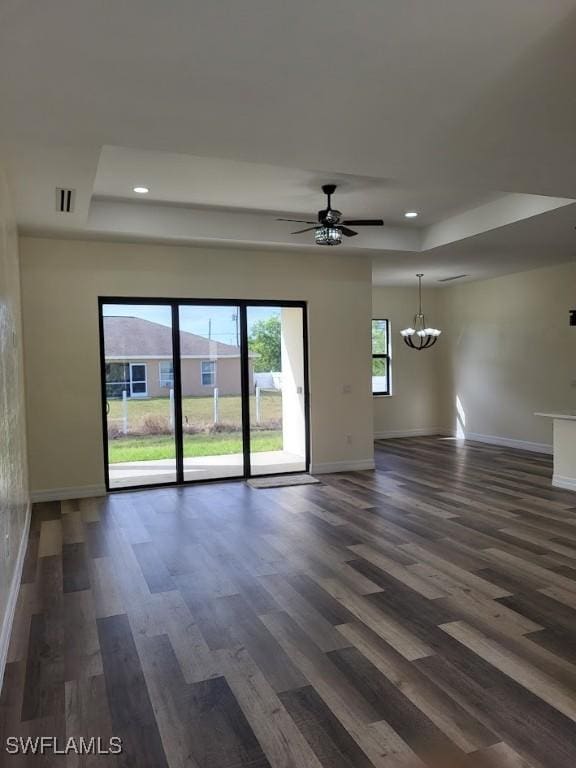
422, 613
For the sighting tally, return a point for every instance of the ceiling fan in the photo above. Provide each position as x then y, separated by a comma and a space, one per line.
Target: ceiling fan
329, 229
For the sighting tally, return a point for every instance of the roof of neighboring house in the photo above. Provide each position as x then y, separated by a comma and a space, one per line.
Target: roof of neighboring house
130, 337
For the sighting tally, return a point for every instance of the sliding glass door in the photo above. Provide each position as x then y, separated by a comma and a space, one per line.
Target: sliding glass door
277, 389
137, 346
202, 390
211, 382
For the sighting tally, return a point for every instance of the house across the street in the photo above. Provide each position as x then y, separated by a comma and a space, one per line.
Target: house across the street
138, 357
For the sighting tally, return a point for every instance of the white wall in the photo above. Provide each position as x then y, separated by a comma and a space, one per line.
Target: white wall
414, 406
508, 351
13, 471
62, 279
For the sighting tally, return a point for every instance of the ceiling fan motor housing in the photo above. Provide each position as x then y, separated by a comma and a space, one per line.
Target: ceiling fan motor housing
329, 216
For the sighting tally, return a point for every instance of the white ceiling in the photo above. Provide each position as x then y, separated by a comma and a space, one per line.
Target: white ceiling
206, 181
233, 112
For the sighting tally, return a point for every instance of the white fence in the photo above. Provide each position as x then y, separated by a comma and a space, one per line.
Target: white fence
272, 380
124, 417
262, 381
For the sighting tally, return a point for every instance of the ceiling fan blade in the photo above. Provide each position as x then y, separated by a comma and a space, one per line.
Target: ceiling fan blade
364, 222
298, 221
299, 231
347, 232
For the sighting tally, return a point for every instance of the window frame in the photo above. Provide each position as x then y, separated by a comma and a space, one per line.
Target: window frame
382, 356
212, 373
163, 378
241, 305
134, 381
123, 383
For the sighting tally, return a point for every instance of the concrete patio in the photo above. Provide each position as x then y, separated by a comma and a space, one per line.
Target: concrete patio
131, 473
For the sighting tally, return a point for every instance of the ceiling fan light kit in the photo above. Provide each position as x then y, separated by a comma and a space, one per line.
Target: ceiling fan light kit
426, 337
328, 236
329, 229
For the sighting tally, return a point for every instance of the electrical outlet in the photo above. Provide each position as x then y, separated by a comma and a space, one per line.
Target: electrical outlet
348, 439
346, 389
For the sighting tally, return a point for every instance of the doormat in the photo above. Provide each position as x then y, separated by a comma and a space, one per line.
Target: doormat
279, 482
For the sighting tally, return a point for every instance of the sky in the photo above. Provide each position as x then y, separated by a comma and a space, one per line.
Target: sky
196, 319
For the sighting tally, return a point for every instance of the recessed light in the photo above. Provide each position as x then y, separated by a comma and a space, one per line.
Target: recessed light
411, 214
141, 190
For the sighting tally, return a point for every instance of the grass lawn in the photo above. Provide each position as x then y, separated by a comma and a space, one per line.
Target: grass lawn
197, 411
154, 447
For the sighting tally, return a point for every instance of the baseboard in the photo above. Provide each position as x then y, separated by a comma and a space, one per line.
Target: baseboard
509, 442
341, 466
568, 483
505, 442
61, 494
422, 432
6, 628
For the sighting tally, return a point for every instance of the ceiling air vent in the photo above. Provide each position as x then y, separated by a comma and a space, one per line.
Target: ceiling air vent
449, 279
65, 200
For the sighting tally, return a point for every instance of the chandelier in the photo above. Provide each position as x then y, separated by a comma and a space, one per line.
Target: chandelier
424, 337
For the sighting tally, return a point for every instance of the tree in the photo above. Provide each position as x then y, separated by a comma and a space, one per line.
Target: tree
379, 337
265, 342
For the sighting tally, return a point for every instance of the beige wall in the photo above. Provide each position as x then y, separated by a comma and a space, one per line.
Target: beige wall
414, 405
227, 377
13, 473
61, 281
506, 351
509, 351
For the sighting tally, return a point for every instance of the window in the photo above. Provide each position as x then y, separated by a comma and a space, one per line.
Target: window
208, 373
117, 379
380, 357
138, 385
166, 374
129, 378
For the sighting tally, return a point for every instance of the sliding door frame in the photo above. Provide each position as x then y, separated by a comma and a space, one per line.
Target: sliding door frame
174, 304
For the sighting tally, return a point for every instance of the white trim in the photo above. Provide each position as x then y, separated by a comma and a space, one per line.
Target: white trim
509, 442
61, 494
212, 372
505, 442
420, 432
568, 483
139, 381
341, 466
6, 629
170, 379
